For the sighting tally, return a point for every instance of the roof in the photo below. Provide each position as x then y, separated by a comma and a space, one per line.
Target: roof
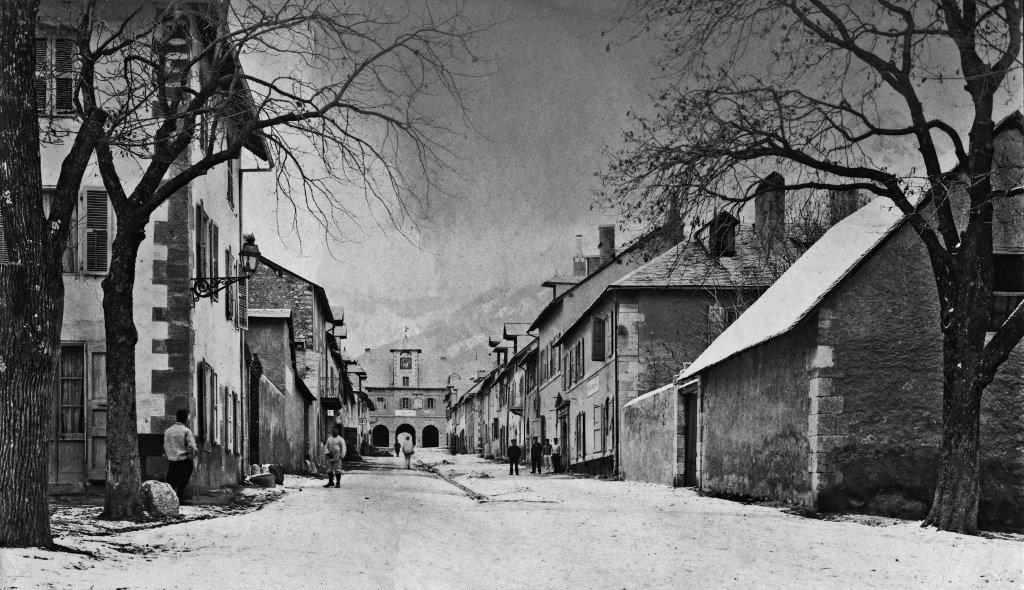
757, 263
645, 240
801, 288
321, 294
378, 364
275, 312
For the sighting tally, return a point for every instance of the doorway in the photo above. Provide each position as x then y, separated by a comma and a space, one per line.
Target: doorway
406, 428
690, 437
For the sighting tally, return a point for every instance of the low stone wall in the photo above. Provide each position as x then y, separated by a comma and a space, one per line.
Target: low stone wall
648, 437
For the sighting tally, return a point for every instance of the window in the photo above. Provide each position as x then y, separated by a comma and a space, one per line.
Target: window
1007, 287
218, 416
229, 297
55, 75
722, 236
494, 428
405, 361
202, 381
598, 426
580, 435
214, 252
417, 403
406, 403
71, 418
381, 404
597, 338
405, 382
229, 441
97, 231
430, 403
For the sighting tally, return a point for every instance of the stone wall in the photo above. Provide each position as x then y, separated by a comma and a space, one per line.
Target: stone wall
280, 427
755, 421
886, 346
269, 290
648, 437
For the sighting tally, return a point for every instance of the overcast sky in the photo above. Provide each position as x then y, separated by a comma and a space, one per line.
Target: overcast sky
554, 100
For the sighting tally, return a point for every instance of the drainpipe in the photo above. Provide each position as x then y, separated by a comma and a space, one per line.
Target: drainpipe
615, 343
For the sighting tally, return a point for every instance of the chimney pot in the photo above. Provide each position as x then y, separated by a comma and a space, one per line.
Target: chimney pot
593, 263
770, 207
606, 242
579, 263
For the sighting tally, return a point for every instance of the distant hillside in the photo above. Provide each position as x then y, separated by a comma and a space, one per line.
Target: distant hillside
457, 339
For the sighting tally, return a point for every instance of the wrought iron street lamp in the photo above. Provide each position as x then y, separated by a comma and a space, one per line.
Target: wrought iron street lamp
249, 261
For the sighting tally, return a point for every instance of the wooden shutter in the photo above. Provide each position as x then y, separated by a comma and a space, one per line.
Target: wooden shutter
3, 244
214, 254
97, 231
201, 400
229, 299
42, 67
64, 52
243, 304
597, 339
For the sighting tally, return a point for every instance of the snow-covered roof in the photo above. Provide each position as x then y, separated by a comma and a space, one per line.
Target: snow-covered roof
656, 392
270, 312
756, 263
799, 290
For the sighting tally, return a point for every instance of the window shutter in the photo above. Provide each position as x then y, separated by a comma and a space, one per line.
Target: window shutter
42, 66
64, 52
97, 231
597, 339
243, 304
229, 299
3, 243
214, 254
201, 401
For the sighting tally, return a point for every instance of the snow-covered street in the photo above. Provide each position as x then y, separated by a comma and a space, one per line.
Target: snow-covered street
391, 528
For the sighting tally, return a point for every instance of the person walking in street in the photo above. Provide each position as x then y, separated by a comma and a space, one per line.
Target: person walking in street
556, 457
536, 452
546, 455
398, 448
334, 448
408, 448
514, 453
180, 449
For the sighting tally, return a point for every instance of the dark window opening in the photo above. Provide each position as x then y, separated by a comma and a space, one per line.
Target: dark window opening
1007, 287
722, 236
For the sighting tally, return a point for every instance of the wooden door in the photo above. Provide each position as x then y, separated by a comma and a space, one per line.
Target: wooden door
68, 453
97, 416
690, 439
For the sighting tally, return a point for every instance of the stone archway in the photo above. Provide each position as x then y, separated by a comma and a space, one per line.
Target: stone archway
430, 436
407, 428
380, 437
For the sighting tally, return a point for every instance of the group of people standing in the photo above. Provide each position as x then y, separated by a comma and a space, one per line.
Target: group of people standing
544, 457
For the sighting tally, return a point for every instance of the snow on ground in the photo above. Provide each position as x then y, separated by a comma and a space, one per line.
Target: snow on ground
391, 528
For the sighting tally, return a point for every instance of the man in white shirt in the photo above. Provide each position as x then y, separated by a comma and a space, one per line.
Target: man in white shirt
180, 449
335, 450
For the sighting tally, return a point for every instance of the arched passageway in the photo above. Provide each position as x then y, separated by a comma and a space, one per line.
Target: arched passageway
430, 436
407, 428
380, 436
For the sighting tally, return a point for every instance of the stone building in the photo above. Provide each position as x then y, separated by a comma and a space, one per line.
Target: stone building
407, 391
189, 352
827, 392
280, 403
317, 356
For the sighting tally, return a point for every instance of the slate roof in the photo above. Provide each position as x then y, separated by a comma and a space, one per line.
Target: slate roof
758, 262
811, 278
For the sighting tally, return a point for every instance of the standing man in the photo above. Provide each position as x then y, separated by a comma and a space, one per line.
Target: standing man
335, 449
546, 451
536, 452
180, 449
556, 457
408, 448
514, 452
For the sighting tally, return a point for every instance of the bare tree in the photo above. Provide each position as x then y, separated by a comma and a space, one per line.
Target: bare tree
823, 91
31, 284
161, 97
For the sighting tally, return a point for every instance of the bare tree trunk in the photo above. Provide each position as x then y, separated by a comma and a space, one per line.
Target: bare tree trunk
31, 306
124, 477
31, 293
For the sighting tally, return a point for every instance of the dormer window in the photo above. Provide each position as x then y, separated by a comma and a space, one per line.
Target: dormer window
722, 235
1007, 287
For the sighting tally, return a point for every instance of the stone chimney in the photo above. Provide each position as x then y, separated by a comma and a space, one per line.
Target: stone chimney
770, 207
579, 263
843, 203
606, 242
